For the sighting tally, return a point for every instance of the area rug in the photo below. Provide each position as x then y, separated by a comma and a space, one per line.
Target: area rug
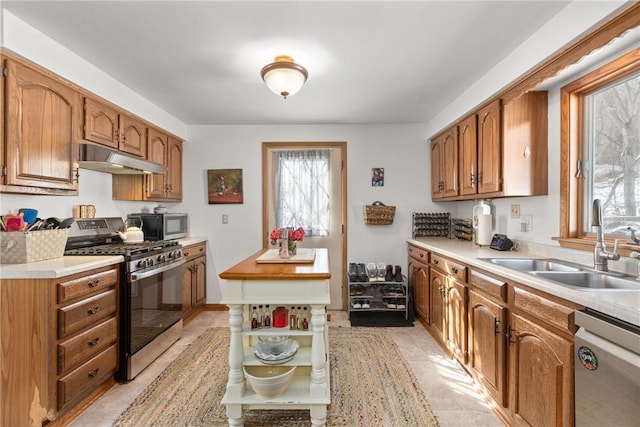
371, 385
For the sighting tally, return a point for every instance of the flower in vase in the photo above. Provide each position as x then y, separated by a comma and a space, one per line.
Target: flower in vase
292, 236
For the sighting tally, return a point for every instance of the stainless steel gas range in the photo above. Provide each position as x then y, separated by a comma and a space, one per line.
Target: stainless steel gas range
150, 289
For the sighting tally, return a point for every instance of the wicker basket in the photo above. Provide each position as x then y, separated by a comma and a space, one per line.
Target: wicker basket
379, 214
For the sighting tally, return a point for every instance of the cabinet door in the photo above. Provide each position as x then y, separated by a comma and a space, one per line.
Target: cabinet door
419, 282
200, 280
187, 286
487, 345
437, 287
450, 162
42, 125
436, 168
468, 155
157, 148
456, 319
100, 123
489, 148
133, 136
174, 169
540, 375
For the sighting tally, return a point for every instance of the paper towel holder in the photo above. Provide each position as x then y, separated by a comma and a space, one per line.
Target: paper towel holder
501, 242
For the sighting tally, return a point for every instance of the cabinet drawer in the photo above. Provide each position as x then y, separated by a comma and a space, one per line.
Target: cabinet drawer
454, 269
193, 251
544, 309
87, 377
84, 346
489, 285
419, 254
86, 285
87, 312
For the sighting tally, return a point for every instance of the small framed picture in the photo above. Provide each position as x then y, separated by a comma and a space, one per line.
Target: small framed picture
224, 186
377, 177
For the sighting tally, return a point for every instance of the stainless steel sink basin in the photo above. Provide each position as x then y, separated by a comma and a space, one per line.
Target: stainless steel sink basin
590, 280
533, 264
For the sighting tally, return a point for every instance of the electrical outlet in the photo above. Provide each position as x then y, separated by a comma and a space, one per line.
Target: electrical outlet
526, 224
225, 219
515, 211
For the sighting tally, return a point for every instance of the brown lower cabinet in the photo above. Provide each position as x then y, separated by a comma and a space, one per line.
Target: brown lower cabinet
60, 344
516, 342
194, 279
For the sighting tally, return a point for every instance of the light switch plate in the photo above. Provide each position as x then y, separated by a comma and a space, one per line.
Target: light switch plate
515, 211
225, 219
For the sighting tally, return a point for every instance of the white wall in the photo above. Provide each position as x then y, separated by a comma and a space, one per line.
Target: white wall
399, 149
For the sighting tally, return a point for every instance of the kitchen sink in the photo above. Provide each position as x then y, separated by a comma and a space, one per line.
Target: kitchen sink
590, 280
569, 274
534, 264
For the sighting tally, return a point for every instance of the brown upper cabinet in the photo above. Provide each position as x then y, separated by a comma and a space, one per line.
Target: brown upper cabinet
40, 154
444, 167
108, 126
163, 149
501, 152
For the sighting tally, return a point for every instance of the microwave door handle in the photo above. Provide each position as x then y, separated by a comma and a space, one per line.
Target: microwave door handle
140, 276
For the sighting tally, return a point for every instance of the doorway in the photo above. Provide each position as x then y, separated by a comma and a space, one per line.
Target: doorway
321, 165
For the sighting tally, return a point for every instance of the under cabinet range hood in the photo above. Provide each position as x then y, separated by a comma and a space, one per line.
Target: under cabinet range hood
106, 160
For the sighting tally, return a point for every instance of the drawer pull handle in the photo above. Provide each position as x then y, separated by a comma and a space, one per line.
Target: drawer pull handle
94, 309
421, 255
455, 270
94, 372
435, 261
94, 283
93, 342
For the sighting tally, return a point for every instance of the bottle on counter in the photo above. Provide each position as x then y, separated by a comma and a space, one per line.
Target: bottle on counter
305, 320
260, 317
299, 318
292, 318
254, 318
267, 316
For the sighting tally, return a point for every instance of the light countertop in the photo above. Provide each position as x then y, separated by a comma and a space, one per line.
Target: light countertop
68, 265
57, 267
621, 304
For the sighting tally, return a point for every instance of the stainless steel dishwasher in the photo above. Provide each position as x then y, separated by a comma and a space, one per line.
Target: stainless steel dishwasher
607, 371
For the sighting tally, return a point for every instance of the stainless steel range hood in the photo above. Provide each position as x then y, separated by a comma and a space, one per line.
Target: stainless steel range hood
106, 160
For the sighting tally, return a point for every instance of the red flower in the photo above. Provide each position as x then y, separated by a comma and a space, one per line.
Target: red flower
296, 235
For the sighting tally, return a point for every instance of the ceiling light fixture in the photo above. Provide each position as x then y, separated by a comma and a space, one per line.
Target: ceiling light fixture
283, 76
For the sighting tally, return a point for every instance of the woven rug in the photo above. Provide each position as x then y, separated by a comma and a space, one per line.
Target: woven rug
371, 385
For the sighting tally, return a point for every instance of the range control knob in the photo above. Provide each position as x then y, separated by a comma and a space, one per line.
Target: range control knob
142, 263
161, 258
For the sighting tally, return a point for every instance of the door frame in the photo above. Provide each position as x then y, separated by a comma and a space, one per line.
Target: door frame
339, 145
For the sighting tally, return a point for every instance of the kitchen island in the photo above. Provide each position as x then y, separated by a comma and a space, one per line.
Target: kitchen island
249, 284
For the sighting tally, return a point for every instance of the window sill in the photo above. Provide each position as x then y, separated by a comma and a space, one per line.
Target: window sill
588, 244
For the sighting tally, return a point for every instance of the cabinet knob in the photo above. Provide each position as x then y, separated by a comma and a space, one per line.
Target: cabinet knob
94, 283
94, 309
94, 341
455, 270
94, 372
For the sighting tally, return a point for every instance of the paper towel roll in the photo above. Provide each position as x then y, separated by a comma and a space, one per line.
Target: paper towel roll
484, 232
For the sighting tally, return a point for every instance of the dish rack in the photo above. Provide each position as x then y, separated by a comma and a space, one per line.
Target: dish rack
431, 224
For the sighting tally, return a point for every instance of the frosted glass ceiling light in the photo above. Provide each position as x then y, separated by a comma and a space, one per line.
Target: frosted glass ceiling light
283, 76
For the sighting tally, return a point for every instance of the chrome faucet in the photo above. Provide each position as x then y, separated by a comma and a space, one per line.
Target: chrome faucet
601, 256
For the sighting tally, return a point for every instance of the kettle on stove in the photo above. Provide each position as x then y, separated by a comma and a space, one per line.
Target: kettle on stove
133, 233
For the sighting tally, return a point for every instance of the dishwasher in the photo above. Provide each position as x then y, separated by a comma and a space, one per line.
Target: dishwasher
607, 371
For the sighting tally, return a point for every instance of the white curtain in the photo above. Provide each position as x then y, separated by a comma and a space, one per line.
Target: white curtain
301, 190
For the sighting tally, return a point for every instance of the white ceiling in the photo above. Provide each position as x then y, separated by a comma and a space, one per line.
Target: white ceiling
368, 62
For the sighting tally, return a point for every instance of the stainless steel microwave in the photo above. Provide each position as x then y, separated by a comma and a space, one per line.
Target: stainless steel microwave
166, 226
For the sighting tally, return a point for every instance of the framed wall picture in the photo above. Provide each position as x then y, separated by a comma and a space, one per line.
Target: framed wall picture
224, 186
377, 177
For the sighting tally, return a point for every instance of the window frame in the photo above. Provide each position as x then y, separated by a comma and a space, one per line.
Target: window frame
571, 148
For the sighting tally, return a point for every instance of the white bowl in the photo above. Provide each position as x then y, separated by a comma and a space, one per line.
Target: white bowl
276, 350
160, 209
269, 381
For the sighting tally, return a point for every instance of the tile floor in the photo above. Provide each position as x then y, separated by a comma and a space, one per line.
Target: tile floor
447, 387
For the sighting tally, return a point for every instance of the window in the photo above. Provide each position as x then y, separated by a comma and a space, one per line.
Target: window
301, 196
600, 137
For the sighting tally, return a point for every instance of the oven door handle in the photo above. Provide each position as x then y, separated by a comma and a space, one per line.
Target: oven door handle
140, 276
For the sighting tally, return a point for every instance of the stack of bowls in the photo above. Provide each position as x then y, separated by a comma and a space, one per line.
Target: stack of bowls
269, 382
274, 350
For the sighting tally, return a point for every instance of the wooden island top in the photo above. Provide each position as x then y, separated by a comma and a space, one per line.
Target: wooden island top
249, 269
